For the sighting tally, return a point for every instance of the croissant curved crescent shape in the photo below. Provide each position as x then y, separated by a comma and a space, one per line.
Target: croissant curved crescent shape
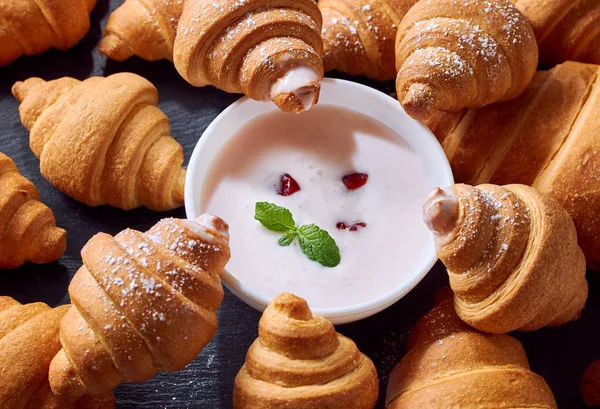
31, 27
145, 28
142, 302
28, 230
454, 54
359, 36
451, 365
511, 254
103, 140
29, 338
270, 50
300, 362
565, 29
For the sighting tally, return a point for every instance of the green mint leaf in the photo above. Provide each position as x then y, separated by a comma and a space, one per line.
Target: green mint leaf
288, 239
275, 218
318, 245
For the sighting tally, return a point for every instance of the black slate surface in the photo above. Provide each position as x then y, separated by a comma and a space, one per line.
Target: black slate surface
558, 354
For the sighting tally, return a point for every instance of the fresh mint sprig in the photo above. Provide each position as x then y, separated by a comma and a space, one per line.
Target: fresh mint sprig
316, 243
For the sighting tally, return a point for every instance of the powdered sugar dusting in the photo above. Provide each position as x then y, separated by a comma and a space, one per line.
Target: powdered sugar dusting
502, 220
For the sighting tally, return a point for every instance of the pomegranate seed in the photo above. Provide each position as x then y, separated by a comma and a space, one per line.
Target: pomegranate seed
353, 227
288, 186
355, 180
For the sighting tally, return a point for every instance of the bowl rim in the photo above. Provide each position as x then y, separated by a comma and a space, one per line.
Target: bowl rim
337, 314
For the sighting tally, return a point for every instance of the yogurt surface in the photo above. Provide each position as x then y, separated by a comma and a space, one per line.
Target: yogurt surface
317, 149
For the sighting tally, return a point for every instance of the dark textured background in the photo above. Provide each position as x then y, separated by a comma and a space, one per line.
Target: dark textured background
558, 354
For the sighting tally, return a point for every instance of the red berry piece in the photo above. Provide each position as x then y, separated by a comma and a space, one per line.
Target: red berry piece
288, 185
355, 180
353, 227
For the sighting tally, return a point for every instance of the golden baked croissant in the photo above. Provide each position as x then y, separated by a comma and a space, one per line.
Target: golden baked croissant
30, 27
590, 384
300, 362
511, 254
359, 36
28, 230
451, 365
143, 28
29, 339
452, 54
142, 302
565, 29
548, 138
103, 140
266, 49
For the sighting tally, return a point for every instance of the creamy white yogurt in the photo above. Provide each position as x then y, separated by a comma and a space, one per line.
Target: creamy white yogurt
297, 81
318, 148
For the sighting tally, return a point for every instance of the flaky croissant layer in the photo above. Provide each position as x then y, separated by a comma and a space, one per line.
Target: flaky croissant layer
511, 254
300, 362
103, 140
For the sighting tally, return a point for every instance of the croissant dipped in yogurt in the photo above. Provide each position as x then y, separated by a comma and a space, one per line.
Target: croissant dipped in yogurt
142, 302
143, 28
454, 54
266, 49
103, 140
511, 254
300, 362
28, 230
359, 36
451, 365
29, 338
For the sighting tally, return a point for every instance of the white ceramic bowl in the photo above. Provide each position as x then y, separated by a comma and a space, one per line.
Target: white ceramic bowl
340, 93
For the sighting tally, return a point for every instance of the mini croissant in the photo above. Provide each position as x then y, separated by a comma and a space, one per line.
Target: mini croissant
143, 28
142, 302
511, 254
30, 27
300, 362
29, 338
359, 36
270, 50
565, 29
28, 230
103, 140
452, 54
451, 365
